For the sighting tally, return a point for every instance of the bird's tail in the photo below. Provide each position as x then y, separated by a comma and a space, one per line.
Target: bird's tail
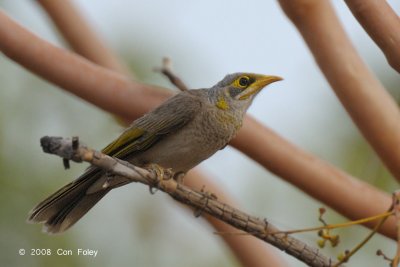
65, 207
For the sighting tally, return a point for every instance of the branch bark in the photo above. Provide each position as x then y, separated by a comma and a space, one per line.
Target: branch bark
382, 24
128, 99
200, 201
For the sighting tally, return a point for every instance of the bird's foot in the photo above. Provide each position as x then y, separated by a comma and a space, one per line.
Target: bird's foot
206, 196
179, 177
162, 175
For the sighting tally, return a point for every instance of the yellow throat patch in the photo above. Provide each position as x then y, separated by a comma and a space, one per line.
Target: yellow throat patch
222, 104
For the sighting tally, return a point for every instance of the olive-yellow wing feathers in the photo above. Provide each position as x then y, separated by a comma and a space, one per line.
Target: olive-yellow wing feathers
150, 128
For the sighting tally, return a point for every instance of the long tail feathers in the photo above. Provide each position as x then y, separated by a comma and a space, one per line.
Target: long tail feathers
65, 207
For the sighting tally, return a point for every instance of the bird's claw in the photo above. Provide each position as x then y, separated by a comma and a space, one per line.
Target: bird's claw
206, 196
160, 175
109, 178
179, 177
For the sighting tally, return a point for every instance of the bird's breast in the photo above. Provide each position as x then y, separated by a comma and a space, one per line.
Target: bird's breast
199, 139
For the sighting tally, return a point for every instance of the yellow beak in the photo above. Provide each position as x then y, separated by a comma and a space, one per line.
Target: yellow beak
260, 83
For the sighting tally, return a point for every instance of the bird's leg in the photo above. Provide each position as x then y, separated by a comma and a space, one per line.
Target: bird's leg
208, 194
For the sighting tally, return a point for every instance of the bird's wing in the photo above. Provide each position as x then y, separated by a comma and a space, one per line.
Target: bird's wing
147, 130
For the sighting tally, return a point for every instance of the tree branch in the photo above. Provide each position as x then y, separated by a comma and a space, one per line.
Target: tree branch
382, 24
370, 106
200, 201
80, 35
104, 88
116, 94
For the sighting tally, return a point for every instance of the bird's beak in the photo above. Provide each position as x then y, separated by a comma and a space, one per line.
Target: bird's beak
260, 83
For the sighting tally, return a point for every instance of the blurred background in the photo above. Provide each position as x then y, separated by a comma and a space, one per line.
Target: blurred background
206, 40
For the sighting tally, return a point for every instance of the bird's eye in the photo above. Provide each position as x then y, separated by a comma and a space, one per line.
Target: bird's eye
244, 81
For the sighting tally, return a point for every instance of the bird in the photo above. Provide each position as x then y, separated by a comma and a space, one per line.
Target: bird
186, 129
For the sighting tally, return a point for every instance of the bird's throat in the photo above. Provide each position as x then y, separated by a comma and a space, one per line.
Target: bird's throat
222, 104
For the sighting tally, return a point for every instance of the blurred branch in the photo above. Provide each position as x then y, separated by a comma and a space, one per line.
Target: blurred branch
104, 88
382, 24
370, 106
120, 96
200, 201
316, 177
80, 35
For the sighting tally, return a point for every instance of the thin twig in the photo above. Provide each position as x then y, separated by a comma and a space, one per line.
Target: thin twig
200, 201
396, 209
350, 253
339, 225
166, 69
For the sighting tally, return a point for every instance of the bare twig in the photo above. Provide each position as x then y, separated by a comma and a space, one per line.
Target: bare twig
386, 258
203, 202
381, 23
350, 253
396, 208
120, 96
166, 69
340, 225
370, 106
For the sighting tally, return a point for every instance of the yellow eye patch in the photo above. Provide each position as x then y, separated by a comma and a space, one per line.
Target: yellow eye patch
242, 82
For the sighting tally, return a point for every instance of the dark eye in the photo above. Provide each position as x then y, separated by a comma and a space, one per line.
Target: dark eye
244, 81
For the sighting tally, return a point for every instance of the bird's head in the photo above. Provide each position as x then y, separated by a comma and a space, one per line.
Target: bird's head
237, 91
